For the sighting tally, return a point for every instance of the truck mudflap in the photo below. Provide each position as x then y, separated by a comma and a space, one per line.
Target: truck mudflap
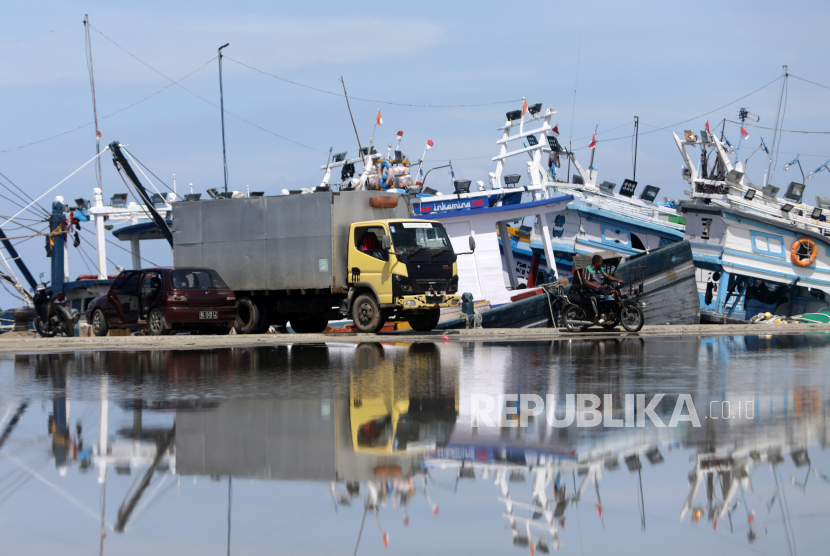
409, 302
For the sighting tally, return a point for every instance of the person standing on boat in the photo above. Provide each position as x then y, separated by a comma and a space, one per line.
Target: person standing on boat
595, 280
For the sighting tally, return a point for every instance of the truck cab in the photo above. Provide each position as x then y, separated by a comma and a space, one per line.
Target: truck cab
404, 268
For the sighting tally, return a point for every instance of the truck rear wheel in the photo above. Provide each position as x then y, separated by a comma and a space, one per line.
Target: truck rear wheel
248, 316
309, 325
366, 314
425, 322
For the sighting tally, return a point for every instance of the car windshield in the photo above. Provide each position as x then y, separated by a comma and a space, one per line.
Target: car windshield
196, 279
423, 237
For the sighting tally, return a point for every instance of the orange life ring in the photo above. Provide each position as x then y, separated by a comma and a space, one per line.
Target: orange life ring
810, 245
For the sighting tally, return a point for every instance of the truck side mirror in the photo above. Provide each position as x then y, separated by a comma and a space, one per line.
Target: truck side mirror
387, 242
472, 243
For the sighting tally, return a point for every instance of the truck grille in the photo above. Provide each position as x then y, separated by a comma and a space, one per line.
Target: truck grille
422, 286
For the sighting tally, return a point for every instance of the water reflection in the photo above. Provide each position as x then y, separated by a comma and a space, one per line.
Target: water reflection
370, 437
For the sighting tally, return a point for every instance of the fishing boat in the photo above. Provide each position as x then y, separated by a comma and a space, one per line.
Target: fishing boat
755, 252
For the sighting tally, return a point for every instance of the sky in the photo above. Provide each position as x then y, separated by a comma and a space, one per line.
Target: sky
598, 64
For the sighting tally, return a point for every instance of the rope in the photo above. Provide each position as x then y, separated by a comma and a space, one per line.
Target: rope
782, 130
112, 113
201, 97
39, 34
808, 81
133, 157
54, 186
367, 99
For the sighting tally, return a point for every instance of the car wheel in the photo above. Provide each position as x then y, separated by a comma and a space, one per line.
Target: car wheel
426, 322
366, 314
155, 323
99, 323
248, 316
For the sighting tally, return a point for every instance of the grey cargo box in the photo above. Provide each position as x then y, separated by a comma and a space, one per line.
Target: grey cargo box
286, 242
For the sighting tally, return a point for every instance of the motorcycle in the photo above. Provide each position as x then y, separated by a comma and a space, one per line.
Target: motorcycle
52, 317
617, 306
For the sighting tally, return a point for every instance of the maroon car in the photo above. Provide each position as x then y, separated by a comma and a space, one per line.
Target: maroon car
165, 299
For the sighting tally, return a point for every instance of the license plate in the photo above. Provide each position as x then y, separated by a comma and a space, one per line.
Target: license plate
208, 315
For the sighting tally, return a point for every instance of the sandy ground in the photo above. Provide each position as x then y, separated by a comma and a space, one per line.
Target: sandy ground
22, 342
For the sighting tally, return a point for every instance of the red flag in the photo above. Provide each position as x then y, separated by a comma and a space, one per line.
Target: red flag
707, 127
593, 142
429, 143
556, 129
524, 107
744, 134
98, 134
378, 120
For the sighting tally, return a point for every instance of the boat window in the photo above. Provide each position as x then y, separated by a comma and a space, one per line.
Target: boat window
707, 224
768, 244
637, 243
560, 220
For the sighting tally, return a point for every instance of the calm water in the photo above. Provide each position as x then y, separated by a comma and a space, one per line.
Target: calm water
314, 449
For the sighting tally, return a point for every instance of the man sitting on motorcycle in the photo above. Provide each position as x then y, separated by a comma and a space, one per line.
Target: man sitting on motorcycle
595, 282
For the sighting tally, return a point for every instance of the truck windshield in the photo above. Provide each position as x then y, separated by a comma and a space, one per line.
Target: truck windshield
422, 237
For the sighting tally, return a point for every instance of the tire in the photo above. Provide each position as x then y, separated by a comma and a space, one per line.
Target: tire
40, 329
572, 313
631, 317
248, 316
67, 324
367, 315
264, 318
425, 323
155, 322
100, 327
314, 324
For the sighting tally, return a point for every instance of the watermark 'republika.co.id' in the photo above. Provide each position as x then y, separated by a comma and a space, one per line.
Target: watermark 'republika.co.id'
589, 410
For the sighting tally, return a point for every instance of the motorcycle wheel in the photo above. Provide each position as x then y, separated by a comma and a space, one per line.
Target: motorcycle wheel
571, 313
44, 333
68, 327
631, 317
611, 324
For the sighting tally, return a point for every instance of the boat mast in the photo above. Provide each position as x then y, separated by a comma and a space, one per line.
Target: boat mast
94, 106
636, 140
777, 118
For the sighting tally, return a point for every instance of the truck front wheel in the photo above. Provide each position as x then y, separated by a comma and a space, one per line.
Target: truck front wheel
425, 322
366, 314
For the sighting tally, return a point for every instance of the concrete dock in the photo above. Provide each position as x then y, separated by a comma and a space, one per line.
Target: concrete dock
16, 342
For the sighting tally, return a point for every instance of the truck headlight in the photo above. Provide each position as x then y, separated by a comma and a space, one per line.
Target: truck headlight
406, 288
410, 303
454, 301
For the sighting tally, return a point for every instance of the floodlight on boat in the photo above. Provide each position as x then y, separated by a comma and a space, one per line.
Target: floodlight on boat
649, 193
822, 202
787, 208
398, 155
339, 157
119, 200
690, 136
607, 187
318, 189
734, 176
365, 151
577, 180
750, 194
532, 141
513, 115
157, 200
704, 136
512, 179
429, 191
771, 190
82, 203
628, 188
816, 214
795, 191
654, 456
192, 196
213, 192
553, 142
535, 108
461, 186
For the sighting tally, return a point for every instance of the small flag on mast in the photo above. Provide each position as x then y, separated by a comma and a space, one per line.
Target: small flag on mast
556, 129
593, 142
524, 107
707, 127
744, 134
429, 143
400, 134
378, 120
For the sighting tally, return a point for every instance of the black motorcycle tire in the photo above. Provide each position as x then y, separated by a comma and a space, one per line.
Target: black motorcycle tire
67, 324
38, 324
631, 317
572, 313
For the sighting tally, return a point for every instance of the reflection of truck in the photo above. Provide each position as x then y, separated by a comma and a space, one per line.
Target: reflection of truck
323, 256
400, 405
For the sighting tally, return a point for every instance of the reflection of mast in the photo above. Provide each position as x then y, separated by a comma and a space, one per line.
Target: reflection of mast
103, 426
